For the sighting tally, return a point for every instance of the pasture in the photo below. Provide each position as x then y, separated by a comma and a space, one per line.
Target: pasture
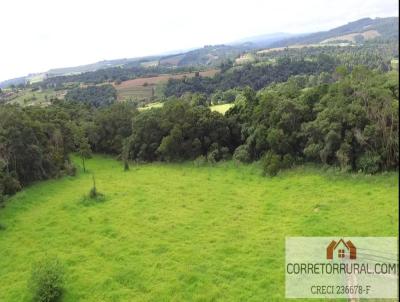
26, 97
222, 108
179, 232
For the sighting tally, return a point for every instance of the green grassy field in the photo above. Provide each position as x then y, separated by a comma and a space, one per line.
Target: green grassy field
27, 97
151, 105
221, 108
177, 232
136, 92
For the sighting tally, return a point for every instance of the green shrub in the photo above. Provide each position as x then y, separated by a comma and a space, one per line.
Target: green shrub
369, 163
11, 185
242, 154
271, 163
212, 156
225, 154
126, 165
200, 161
2, 227
69, 168
94, 196
287, 161
93, 193
47, 280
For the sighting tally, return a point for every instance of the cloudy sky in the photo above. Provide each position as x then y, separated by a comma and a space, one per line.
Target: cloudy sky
43, 34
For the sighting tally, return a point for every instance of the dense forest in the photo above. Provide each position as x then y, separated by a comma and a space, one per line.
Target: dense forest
254, 76
375, 54
110, 75
101, 95
348, 121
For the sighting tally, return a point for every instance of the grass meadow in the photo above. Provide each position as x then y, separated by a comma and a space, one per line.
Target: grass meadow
222, 108
177, 232
42, 98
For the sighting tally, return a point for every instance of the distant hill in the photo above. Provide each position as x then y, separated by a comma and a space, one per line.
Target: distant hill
209, 55
15, 81
98, 65
265, 40
357, 31
213, 55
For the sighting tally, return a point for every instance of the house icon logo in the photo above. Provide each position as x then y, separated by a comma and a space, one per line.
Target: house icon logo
342, 249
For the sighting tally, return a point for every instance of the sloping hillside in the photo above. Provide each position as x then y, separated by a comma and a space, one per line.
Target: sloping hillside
209, 55
360, 30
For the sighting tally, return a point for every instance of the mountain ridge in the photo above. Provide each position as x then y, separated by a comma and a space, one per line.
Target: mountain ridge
211, 55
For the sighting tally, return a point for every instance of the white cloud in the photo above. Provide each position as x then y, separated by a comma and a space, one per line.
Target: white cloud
43, 34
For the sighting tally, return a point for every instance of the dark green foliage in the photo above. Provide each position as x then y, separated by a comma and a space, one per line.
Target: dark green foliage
357, 116
242, 154
93, 191
34, 144
288, 161
83, 147
69, 168
97, 96
212, 156
47, 280
369, 163
374, 54
10, 184
254, 76
347, 118
271, 164
179, 131
94, 195
111, 126
347, 123
200, 161
109, 75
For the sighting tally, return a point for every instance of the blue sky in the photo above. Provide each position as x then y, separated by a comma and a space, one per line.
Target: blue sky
43, 34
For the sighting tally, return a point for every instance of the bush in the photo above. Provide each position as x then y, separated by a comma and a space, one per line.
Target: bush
11, 185
126, 166
271, 164
212, 156
47, 280
287, 161
94, 196
225, 154
69, 168
242, 154
2, 227
369, 163
200, 161
93, 193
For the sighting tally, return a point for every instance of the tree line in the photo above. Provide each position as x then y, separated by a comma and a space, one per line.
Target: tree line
109, 75
255, 76
350, 121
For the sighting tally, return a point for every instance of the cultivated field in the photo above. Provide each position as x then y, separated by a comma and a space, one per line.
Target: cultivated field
145, 88
153, 239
